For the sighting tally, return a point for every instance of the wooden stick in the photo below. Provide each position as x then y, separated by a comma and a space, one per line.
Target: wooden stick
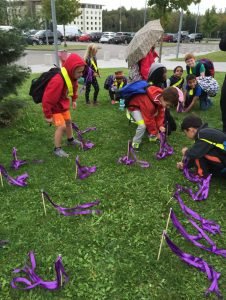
128, 149
163, 234
76, 171
1, 178
61, 276
43, 202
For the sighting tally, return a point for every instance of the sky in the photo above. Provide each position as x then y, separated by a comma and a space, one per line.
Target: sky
204, 5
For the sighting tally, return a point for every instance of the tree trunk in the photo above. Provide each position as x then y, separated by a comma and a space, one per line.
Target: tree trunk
65, 43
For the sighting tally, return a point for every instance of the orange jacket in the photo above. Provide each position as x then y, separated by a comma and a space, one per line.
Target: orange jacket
55, 98
150, 107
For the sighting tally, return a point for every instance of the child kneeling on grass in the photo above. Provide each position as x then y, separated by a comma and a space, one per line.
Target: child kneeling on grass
114, 83
208, 154
195, 93
148, 111
56, 104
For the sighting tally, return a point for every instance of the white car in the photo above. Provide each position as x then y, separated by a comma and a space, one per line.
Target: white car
105, 38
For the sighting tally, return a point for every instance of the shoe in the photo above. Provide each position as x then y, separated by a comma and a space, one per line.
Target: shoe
152, 138
113, 102
74, 142
88, 102
136, 146
60, 152
95, 103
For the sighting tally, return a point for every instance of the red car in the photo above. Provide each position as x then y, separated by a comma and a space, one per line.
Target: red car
168, 38
85, 37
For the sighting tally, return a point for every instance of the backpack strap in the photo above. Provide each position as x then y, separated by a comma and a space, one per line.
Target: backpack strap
218, 145
178, 82
68, 81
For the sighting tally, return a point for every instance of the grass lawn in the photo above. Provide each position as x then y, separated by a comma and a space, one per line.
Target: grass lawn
218, 56
111, 256
60, 47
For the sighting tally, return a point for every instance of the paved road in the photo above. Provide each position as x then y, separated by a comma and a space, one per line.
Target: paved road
114, 56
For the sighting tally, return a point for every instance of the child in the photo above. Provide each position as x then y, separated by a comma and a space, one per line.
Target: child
114, 83
176, 79
148, 110
146, 62
158, 77
193, 67
91, 61
194, 93
56, 103
208, 153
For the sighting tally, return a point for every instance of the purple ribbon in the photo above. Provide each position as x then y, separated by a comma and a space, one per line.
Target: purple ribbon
200, 264
84, 172
86, 145
194, 238
17, 163
207, 225
77, 210
34, 280
126, 160
202, 183
165, 149
18, 181
88, 78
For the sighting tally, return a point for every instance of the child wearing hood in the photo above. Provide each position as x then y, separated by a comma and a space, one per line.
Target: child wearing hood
56, 102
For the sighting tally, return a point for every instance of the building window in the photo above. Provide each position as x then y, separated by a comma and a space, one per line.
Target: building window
95, 23
81, 17
91, 23
81, 28
91, 17
87, 23
95, 28
91, 28
95, 18
87, 28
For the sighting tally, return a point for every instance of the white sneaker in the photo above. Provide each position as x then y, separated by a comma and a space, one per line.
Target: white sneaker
60, 152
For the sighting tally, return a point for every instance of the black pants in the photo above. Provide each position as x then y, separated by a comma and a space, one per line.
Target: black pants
95, 85
113, 96
223, 104
169, 121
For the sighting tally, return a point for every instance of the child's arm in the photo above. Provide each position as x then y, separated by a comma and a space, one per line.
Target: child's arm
194, 100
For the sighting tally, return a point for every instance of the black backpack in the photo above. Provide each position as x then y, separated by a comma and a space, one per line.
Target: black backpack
39, 84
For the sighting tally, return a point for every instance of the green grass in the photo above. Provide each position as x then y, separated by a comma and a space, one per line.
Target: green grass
112, 256
60, 47
218, 56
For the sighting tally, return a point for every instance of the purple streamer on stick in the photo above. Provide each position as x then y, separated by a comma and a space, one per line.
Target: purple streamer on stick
194, 238
165, 149
34, 280
84, 172
17, 163
86, 145
18, 181
202, 183
207, 225
200, 264
77, 210
89, 78
126, 160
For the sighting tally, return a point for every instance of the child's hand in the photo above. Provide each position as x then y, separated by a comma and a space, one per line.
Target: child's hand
180, 165
162, 129
74, 105
184, 150
49, 120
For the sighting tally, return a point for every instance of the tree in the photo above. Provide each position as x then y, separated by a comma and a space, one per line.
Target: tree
3, 12
210, 22
66, 12
12, 46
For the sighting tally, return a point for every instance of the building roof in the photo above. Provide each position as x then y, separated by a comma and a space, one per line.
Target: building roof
92, 2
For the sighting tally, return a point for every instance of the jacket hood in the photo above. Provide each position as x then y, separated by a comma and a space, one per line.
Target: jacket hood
154, 67
72, 62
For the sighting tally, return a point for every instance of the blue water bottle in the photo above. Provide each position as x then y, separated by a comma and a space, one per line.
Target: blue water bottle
121, 104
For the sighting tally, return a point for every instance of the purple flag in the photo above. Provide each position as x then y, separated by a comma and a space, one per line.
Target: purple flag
84, 172
195, 238
18, 181
202, 183
198, 263
17, 163
165, 149
77, 210
131, 158
86, 145
207, 225
34, 280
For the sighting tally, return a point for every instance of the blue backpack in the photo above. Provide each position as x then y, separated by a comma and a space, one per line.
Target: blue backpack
131, 89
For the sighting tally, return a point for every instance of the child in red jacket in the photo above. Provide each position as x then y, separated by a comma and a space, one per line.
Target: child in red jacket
56, 102
148, 110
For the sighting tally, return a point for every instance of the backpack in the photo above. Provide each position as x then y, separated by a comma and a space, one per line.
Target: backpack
131, 89
209, 85
209, 67
39, 84
108, 82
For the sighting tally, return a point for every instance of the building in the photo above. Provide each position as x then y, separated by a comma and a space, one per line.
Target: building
90, 18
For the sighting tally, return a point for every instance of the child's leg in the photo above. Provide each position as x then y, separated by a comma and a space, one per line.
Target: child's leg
223, 104
58, 136
59, 122
96, 89
204, 102
88, 88
141, 128
111, 94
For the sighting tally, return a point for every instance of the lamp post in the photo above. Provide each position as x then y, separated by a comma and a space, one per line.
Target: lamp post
179, 33
145, 11
196, 22
120, 18
53, 10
